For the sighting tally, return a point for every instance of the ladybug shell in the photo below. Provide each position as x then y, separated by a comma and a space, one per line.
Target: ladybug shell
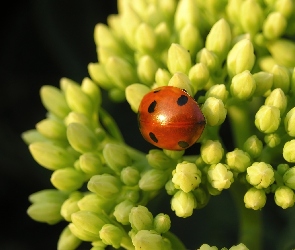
170, 118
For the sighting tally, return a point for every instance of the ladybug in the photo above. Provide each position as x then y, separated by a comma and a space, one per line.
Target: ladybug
170, 118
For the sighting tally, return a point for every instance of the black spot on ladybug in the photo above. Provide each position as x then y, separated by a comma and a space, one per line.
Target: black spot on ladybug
156, 91
183, 144
152, 106
153, 137
184, 90
182, 100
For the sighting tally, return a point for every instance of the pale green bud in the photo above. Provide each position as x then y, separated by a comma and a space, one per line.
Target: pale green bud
67, 179
285, 7
74, 117
290, 122
272, 140
289, 151
274, 25
255, 198
159, 160
163, 35
51, 156
32, 135
209, 59
116, 157
152, 180
48, 195
122, 211
162, 77
212, 152
253, 146
134, 94
52, 129
289, 178
243, 85
202, 197
98, 245
111, 235
219, 39
218, 91
267, 119
175, 155
54, 101
181, 80
141, 218
168, 7
264, 82
282, 168
179, 59
240, 246
94, 203
146, 240
170, 187
206, 246
81, 138
183, 204
162, 223
146, 70
145, 38
266, 63
90, 163
130, 176
92, 90
219, 176
70, 205
260, 175
105, 185
98, 74
199, 76
186, 176
281, 77
214, 111
233, 10
284, 197
277, 98
238, 160
241, 57
67, 240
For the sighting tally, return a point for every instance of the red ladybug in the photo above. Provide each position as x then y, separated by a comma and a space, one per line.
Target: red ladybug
170, 118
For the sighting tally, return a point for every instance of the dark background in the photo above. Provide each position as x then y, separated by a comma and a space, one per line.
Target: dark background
42, 41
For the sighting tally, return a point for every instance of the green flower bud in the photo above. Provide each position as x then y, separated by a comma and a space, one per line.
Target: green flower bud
267, 119
209, 59
243, 85
105, 185
130, 176
212, 152
163, 35
51, 156
253, 146
285, 7
202, 197
146, 70
122, 211
199, 76
179, 59
162, 223
81, 138
74, 117
277, 98
219, 39
264, 82
98, 74
132, 195
94, 203
67, 179
290, 122
98, 245
92, 90
141, 218
218, 91
186, 176
181, 80
48, 195
240, 246
241, 57
111, 235
289, 178
260, 175
272, 140
116, 157
206, 246
152, 180
284, 197
146, 240
159, 160
31, 136
90, 163
52, 129
238, 160
145, 38
54, 101
214, 111
183, 204
175, 155
274, 25
162, 77
282, 168
255, 198
289, 151
266, 63
86, 225
170, 188
281, 77
219, 176
134, 94
70, 206
67, 240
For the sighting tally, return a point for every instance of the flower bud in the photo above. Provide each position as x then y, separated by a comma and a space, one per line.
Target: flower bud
281, 78
181, 81
179, 59
290, 122
214, 111
272, 140
116, 157
52, 129
162, 77
134, 94
289, 178
238, 160
162, 223
170, 187
266, 63
146, 70
67, 240
218, 91
175, 155
206, 246
74, 117
122, 211
209, 59
219, 176
282, 168
289, 151
274, 25
163, 34
48, 195
130, 176
152, 180
31, 136
93, 91
285, 7
51, 156
159, 160
141, 218
260, 175
240, 246
212, 152
54, 101
202, 197
183, 204
253, 146
67, 179
70, 205
94, 203
243, 85
264, 82
277, 98
284, 197
267, 119
98, 74
199, 76
111, 235
255, 198
146, 240
145, 38
186, 176
241, 57
90, 163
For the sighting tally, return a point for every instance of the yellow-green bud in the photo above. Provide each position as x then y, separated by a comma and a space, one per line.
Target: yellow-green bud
206, 246
130, 176
243, 85
289, 151
170, 187
179, 59
202, 197
74, 117
219, 176
183, 204
159, 160
209, 59
134, 94
67, 240
162, 77
152, 180
289, 178
272, 140
162, 223
274, 25
48, 195
146, 70
277, 98
260, 175
266, 63
218, 91
255, 198
285, 7
267, 119
146, 240
163, 35
175, 155
281, 77
238, 160
290, 122
98, 74
293, 81
181, 80
199, 76
282, 168
214, 111
122, 211
253, 146
52, 129
240, 246
70, 205
141, 218
32, 135
94, 203
212, 152
284, 197
145, 38
93, 91
111, 235
264, 82
90, 163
